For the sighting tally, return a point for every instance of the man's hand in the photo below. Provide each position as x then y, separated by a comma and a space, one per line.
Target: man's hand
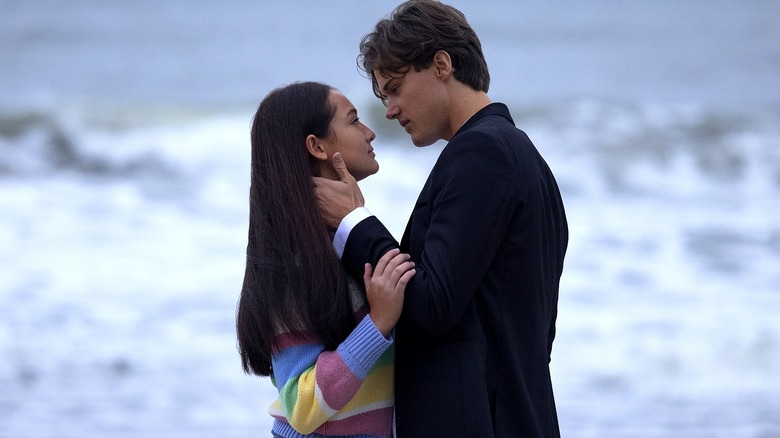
336, 199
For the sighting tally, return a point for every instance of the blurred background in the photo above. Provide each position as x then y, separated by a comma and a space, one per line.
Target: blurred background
124, 175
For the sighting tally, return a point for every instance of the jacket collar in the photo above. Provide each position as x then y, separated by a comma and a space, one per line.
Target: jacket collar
493, 109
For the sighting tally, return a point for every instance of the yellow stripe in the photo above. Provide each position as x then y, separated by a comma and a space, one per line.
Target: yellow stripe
306, 414
377, 388
310, 410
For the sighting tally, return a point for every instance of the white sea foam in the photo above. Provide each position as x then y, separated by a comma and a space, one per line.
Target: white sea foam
120, 285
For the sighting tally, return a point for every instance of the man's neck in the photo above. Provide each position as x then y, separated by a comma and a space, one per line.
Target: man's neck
465, 104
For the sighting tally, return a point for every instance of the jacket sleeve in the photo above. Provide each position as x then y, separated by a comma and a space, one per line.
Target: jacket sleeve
469, 205
314, 384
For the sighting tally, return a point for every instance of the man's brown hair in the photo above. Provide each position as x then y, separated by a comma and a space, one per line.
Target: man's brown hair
412, 35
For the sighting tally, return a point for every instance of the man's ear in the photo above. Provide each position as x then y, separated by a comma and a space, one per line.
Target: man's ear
314, 146
442, 63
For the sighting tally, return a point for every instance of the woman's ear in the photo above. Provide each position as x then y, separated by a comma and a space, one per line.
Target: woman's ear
314, 145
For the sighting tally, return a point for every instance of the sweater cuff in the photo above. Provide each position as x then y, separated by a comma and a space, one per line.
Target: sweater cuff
363, 347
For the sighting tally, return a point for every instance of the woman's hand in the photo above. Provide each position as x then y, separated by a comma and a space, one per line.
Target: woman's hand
385, 286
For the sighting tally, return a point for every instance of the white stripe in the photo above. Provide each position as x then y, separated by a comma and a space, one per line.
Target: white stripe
363, 409
330, 412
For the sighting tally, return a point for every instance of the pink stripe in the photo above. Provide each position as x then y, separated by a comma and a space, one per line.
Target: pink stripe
336, 381
293, 339
377, 422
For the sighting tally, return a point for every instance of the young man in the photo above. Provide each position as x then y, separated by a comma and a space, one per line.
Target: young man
488, 236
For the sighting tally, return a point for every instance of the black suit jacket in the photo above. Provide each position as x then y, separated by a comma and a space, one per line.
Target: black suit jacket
488, 235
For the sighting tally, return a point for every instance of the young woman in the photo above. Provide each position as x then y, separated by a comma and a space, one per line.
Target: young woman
323, 337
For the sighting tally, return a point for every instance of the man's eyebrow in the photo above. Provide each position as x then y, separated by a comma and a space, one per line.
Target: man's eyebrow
386, 85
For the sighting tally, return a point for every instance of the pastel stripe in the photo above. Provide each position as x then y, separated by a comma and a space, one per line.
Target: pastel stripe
293, 361
374, 390
376, 422
326, 409
334, 374
300, 403
348, 391
291, 339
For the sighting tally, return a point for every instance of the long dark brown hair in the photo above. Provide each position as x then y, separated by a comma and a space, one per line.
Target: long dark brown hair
294, 281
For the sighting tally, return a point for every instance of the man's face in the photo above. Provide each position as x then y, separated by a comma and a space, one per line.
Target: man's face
417, 99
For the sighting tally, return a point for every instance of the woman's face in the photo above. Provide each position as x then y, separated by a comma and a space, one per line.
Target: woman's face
350, 137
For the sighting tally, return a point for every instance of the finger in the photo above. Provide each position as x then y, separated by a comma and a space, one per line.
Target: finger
399, 270
341, 168
382, 263
367, 272
398, 260
404, 280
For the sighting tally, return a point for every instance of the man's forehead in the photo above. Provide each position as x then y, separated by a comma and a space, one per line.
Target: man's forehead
383, 77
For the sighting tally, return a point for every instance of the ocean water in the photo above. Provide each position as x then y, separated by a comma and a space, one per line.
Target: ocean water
124, 167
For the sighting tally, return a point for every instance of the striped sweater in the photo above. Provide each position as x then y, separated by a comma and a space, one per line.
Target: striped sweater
346, 392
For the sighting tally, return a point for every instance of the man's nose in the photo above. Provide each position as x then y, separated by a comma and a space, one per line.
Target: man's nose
392, 112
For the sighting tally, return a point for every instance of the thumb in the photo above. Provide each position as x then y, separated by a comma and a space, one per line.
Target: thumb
341, 167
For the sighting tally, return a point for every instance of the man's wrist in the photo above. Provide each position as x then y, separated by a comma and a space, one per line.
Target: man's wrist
345, 227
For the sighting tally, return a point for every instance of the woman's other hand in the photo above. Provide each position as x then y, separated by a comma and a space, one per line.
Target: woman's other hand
385, 286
